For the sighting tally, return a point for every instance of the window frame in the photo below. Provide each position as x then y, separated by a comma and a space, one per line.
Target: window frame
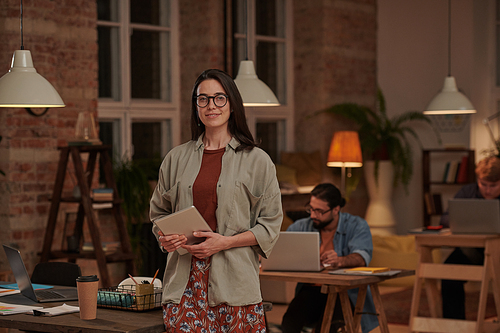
286, 110
128, 110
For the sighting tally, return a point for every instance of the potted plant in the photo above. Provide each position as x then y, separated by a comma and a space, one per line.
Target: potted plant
383, 138
133, 188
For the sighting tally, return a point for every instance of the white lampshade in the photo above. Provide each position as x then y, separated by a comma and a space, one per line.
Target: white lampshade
449, 100
23, 87
253, 91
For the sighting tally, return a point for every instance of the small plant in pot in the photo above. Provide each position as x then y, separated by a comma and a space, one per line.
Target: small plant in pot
134, 190
383, 138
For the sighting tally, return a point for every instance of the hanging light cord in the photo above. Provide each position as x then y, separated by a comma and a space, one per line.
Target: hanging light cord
247, 44
22, 48
449, 37
22, 41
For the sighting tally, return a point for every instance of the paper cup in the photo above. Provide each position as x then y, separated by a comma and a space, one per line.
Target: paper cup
87, 296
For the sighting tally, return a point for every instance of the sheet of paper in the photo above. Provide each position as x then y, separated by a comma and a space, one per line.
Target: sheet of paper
8, 309
57, 310
5, 292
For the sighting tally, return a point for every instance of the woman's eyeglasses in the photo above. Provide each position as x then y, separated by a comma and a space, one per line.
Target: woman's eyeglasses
318, 212
220, 100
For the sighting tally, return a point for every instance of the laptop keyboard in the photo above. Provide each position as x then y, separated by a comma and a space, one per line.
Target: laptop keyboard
48, 294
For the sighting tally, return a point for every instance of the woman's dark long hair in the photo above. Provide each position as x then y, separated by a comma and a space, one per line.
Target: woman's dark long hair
237, 124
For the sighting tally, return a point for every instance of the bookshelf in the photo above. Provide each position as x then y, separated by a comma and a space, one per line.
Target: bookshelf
437, 183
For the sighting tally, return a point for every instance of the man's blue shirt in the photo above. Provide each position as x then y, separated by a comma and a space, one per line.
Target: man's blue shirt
352, 236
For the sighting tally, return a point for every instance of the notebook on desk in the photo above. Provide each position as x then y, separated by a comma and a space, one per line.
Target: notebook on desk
26, 287
474, 216
294, 251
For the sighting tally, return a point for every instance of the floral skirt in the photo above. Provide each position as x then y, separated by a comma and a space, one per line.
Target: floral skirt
193, 314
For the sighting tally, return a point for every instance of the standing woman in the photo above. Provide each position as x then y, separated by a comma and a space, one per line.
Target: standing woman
215, 286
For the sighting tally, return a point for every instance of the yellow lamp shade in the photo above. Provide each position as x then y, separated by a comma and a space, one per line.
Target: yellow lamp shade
345, 150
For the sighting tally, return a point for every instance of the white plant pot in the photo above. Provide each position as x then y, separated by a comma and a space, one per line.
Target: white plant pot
380, 212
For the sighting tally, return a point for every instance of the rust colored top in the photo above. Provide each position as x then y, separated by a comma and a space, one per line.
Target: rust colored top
205, 185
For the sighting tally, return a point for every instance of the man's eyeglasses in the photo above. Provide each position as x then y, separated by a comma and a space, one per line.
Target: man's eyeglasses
318, 212
220, 100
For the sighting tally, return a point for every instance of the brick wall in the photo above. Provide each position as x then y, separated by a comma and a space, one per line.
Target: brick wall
201, 48
61, 36
334, 61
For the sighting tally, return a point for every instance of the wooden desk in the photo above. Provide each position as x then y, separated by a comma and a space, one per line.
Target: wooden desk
107, 321
339, 284
429, 274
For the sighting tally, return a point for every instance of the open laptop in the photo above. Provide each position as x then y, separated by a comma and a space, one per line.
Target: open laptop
474, 216
26, 287
294, 251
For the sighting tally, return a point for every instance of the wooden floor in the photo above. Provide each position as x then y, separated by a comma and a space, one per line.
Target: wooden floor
274, 317
276, 314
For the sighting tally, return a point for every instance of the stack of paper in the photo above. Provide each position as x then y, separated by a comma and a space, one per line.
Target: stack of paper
368, 270
8, 309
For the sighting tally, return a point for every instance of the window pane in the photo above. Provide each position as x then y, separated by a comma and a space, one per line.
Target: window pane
109, 63
107, 10
150, 69
109, 134
271, 135
149, 12
146, 139
269, 18
271, 67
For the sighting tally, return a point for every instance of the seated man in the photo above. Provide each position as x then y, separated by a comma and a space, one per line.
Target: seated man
346, 241
486, 187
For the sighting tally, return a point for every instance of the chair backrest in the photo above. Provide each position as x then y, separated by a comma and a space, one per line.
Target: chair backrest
56, 273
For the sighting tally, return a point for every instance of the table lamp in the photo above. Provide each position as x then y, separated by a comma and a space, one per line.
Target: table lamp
345, 151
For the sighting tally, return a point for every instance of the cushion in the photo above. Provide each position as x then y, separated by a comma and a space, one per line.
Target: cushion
286, 174
307, 166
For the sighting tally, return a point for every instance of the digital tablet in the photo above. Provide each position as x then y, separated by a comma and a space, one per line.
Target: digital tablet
184, 222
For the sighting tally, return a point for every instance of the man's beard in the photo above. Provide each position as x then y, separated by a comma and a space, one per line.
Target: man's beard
320, 225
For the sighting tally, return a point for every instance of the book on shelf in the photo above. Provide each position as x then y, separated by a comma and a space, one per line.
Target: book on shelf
452, 172
433, 203
102, 194
428, 204
463, 171
446, 170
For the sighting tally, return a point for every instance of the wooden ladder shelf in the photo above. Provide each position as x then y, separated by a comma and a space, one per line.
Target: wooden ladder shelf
85, 210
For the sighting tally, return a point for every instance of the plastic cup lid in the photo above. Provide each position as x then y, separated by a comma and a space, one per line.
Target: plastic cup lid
88, 278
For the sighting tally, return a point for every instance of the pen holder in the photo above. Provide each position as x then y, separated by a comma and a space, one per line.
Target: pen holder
145, 296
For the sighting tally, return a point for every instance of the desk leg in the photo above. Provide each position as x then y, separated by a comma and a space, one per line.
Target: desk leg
346, 311
329, 308
495, 268
377, 300
358, 310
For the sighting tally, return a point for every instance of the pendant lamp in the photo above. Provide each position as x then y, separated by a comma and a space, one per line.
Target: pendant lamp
23, 87
254, 91
449, 100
